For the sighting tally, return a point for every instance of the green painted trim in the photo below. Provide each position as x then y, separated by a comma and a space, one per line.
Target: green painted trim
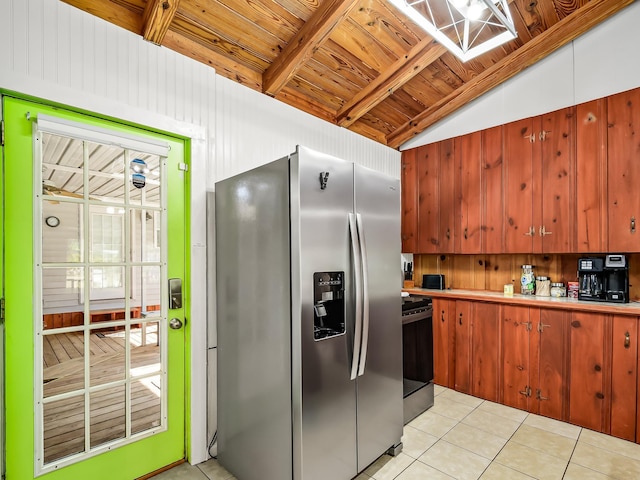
135, 459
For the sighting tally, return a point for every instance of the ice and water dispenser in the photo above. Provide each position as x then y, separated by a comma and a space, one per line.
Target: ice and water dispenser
328, 304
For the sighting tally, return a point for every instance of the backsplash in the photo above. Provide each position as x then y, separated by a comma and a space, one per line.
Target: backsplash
491, 272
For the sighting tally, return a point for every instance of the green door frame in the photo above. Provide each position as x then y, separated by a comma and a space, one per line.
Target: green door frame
19, 269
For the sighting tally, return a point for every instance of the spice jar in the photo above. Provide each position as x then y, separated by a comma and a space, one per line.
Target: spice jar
558, 290
527, 280
543, 286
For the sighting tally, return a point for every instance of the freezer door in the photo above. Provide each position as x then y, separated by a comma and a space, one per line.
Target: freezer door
324, 397
380, 416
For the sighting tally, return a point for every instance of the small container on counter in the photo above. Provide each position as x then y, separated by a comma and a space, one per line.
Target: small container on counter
558, 290
527, 280
543, 286
508, 289
572, 290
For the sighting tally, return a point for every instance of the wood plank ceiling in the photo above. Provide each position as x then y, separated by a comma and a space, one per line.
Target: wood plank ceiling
360, 64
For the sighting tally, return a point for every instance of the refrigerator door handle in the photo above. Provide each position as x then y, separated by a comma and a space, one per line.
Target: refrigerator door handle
357, 337
365, 295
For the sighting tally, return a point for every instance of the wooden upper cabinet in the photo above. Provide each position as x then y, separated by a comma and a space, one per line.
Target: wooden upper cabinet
623, 155
591, 176
556, 190
518, 221
447, 202
492, 184
409, 199
468, 151
428, 172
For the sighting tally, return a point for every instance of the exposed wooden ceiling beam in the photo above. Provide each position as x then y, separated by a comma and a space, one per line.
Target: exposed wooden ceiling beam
157, 16
111, 12
305, 43
547, 42
404, 69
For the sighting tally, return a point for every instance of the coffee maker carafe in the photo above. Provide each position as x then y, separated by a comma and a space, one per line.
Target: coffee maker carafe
603, 279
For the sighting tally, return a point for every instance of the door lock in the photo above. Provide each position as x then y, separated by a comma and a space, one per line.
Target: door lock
175, 293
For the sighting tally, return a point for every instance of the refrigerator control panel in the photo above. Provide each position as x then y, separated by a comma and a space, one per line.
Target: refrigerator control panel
328, 305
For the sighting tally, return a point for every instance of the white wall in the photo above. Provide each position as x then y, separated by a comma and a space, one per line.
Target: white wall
601, 62
58, 53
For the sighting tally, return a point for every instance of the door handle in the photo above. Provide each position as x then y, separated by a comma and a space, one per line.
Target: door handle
365, 294
175, 324
357, 336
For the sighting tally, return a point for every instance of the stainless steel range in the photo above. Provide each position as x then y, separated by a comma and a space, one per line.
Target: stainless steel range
417, 355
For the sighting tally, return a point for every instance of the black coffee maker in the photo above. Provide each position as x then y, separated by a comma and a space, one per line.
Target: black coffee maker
604, 279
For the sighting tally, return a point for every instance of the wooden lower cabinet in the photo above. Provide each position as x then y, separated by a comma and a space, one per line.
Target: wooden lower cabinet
463, 358
443, 341
516, 328
624, 377
588, 384
485, 348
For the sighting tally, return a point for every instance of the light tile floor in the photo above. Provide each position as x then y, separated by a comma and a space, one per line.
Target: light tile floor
466, 438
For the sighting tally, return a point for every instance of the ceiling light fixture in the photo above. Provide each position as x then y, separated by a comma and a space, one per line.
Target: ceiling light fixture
467, 28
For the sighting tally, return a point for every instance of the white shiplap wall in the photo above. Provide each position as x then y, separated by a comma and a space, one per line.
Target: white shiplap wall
55, 52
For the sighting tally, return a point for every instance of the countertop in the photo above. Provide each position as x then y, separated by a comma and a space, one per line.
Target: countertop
563, 303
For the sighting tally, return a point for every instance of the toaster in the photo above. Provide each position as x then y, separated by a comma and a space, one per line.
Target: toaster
433, 281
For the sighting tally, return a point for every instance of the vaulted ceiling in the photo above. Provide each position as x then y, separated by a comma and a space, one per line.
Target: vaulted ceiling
360, 64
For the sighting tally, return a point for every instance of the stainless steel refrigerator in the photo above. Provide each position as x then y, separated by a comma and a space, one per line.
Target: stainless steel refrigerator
308, 319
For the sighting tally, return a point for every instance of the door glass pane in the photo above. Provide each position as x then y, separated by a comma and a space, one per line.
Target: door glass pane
62, 166
145, 235
63, 363
145, 349
107, 234
63, 428
107, 409
146, 289
107, 362
144, 183
106, 172
62, 297
61, 231
145, 404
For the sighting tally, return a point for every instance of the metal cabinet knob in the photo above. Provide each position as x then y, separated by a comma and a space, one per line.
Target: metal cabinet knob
175, 324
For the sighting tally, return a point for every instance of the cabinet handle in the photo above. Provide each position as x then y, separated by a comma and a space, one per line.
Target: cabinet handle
442, 316
627, 340
544, 232
465, 233
543, 135
526, 392
539, 395
448, 234
532, 137
531, 232
460, 319
541, 326
633, 224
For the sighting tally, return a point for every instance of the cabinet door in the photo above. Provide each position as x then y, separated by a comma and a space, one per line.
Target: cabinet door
409, 219
623, 156
428, 167
462, 369
468, 150
484, 350
591, 176
519, 230
624, 376
516, 327
493, 214
443, 332
556, 192
587, 377
447, 197
552, 341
